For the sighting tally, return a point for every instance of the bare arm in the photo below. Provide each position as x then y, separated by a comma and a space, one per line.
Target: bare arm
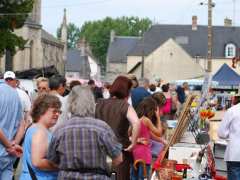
157, 131
156, 138
4, 140
135, 123
20, 132
39, 147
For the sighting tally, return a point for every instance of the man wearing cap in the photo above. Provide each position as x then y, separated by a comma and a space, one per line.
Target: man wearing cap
10, 79
11, 126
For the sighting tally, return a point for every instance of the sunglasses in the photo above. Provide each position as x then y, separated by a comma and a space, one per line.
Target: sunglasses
42, 88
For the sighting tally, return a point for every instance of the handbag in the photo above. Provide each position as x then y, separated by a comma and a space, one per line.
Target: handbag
31, 172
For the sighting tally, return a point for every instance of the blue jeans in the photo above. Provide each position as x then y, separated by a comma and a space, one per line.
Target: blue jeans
6, 168
138, 174
233, 170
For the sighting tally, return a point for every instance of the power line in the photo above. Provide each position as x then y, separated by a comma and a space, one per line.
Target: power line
79, 4
14, 14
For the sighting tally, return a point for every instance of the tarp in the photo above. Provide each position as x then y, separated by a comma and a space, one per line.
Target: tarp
37, 72
226, 77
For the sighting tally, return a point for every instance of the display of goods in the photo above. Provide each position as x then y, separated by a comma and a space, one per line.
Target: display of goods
165, 173
170, 164
176, 177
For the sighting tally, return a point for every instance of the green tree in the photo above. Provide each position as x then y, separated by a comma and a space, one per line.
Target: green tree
13, 14
97, 33
73, 33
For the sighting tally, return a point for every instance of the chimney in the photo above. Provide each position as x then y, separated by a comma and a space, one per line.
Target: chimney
112, 35
227, 22
194, 23
81, 45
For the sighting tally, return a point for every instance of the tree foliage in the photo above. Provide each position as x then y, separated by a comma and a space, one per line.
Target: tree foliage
97, 33
73, 33
13, 14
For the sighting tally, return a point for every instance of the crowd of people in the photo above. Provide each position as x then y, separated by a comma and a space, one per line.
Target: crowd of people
71, 132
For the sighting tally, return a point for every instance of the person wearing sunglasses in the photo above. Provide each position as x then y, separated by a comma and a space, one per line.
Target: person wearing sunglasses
42, 84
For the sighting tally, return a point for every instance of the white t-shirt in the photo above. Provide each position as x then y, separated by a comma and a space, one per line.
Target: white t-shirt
25, 100
64, 116
229, 130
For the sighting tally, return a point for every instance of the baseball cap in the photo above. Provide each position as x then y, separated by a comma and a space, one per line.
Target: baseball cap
9, 74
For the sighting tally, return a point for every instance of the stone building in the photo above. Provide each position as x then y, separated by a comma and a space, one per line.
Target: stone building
81, 64
173, 52
117, 54
41, 50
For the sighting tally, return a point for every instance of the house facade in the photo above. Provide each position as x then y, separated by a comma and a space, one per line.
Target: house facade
168, 62
117, 55
81, 64
41, 50
173, 52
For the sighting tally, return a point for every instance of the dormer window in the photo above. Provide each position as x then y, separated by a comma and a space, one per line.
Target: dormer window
230, 50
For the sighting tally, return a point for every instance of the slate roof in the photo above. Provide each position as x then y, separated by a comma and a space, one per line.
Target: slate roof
225, 76
77, 63
29, 22
50, 38
118, 49
194, 42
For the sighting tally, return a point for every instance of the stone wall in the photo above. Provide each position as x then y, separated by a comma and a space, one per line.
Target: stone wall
114, 70
168, 62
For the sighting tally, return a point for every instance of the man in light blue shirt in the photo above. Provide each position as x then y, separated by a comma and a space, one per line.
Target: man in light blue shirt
11, 129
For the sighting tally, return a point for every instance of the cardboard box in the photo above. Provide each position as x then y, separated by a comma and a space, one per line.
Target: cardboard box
182, 152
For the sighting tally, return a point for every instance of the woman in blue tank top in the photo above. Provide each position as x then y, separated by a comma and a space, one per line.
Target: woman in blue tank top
45, 112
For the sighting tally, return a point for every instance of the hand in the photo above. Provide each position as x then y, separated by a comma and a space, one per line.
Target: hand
143, 141
15, 150
164, 141
129, 148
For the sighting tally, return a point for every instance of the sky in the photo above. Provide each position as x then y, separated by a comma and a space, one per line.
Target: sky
159, 11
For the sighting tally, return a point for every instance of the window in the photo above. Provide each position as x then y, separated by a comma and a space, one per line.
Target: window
197, 59
182, 39
230, 50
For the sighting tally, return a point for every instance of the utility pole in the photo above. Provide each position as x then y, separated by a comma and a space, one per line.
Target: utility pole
142, 61
210, 35
142, 70
209, 54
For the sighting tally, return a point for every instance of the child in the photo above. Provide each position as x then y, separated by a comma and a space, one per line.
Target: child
148, 113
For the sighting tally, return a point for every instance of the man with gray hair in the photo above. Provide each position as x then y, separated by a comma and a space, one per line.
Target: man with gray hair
81, 144
139, 93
